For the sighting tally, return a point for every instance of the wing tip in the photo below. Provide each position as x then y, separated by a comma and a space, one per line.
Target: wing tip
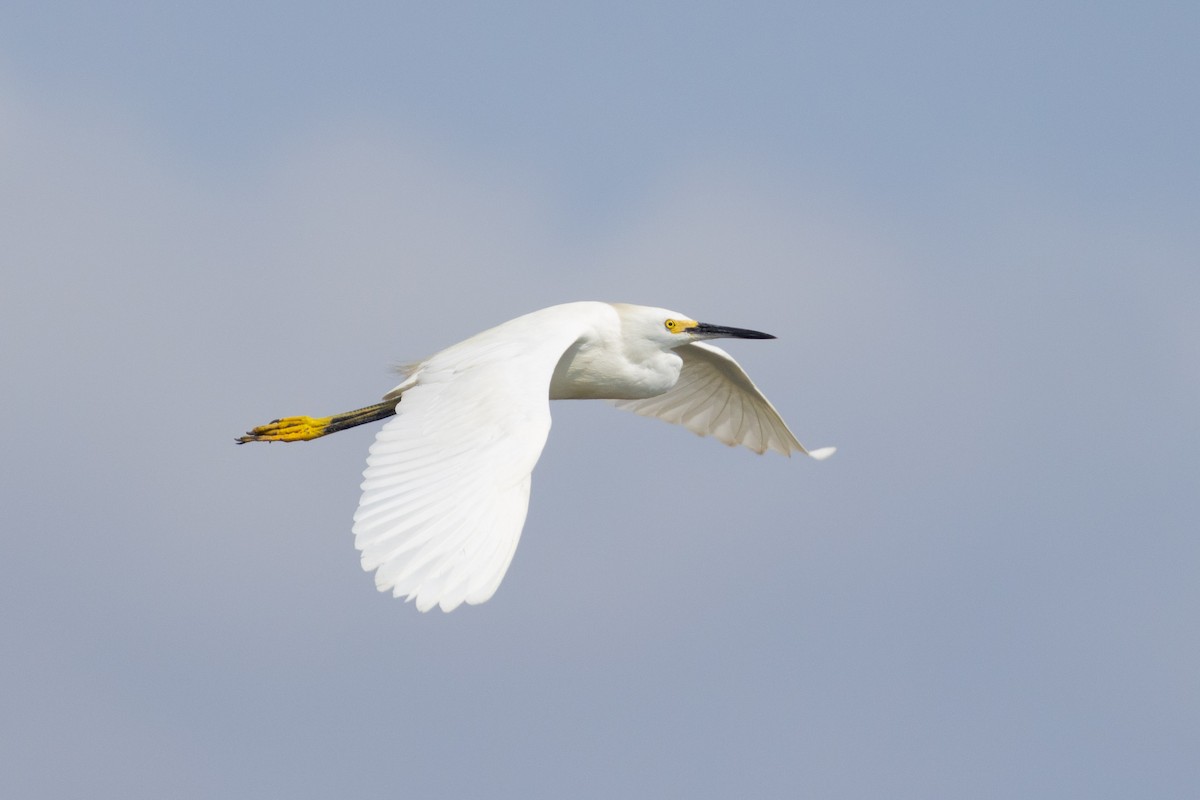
822, 453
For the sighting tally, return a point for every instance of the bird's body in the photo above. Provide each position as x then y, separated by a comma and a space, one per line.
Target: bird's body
446, 486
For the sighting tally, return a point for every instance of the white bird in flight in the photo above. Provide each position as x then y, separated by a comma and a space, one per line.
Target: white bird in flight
446, 487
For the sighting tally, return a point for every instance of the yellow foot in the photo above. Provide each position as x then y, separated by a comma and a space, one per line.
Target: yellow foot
288, 429
301, 429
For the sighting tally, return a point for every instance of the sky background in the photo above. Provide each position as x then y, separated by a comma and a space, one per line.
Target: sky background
973, 228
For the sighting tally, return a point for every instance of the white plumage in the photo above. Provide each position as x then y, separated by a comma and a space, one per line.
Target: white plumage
446, 486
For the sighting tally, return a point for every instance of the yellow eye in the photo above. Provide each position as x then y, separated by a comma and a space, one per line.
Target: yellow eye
672, 325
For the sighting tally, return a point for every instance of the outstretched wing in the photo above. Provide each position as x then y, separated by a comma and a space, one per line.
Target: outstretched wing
446, 486
715, 397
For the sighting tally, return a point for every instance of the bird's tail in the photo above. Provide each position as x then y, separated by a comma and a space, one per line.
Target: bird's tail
302, 429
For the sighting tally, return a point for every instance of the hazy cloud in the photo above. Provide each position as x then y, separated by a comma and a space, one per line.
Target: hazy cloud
990, 590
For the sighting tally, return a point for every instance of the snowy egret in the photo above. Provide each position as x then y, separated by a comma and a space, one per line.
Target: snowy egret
446, 487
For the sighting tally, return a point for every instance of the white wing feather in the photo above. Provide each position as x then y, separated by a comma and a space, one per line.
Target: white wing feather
446, 487
715, 397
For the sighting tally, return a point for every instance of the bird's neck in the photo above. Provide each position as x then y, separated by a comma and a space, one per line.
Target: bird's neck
591, 371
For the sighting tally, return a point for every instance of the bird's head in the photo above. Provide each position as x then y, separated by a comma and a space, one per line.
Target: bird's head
671, 329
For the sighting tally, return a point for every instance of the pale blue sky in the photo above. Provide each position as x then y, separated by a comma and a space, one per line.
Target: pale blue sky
972, 227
